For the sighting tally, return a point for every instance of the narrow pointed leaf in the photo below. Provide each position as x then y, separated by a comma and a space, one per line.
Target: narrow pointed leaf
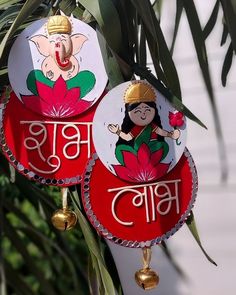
199, 43
227, 64
28, 8
146, 74
7, 3
107, 17
212, 20
193, 229
225, 34
179, 10
149, 19
29, 261
67, 6
229, 8
93, 246
16, 281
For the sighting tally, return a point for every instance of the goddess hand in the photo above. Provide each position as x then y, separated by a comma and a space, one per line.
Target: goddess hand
175, 134
113, 128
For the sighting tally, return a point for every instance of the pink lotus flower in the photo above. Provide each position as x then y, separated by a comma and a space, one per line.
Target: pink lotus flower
176, 119
56, 101
143, 167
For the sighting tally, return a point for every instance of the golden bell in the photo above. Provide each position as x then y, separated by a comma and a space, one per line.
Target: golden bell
146, 278
64, 219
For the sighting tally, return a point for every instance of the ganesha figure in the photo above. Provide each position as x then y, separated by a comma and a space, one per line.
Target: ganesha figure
59, 86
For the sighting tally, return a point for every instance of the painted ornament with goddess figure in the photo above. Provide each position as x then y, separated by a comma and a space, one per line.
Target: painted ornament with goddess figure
137, 134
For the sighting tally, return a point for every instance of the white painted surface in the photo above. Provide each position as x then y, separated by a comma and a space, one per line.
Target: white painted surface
111, 110
216, 204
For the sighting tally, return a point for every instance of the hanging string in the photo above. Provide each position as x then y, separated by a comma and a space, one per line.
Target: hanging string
147, 254
64, 192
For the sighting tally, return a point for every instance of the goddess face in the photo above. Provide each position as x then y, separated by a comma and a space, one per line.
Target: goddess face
142, 115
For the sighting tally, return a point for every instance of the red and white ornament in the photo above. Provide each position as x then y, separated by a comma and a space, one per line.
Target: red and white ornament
139, 215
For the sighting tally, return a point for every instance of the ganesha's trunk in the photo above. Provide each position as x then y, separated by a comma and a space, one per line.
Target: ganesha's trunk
62, 61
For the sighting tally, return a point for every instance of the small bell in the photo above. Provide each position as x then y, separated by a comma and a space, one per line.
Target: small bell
64, 219
146, 278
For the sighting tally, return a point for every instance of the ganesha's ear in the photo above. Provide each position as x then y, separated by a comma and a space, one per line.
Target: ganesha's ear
41, 43
77, 42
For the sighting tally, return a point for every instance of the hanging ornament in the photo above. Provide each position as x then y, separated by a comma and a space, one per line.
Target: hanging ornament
133, 135
139, 215
64, 219
55, 67
140, 186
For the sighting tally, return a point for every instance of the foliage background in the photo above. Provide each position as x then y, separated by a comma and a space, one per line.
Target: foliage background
33, 254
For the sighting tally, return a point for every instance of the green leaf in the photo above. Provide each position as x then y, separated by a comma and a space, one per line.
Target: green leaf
199, 43
227, 64
9, 15
229, 8
93, 246
107, 17
4, 4
150, 21
94, 278
40, 239
212, 20
193, 229
224, 35
146, 74
28, 8
110, 62
179, 10
67, 6
29, 261
15, 280
142, 52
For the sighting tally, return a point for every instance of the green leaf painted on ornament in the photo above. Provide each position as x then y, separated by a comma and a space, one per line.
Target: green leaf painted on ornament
28, 8
107, 17
193, 229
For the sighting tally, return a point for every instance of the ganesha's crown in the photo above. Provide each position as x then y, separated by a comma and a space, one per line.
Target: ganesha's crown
58, 24
139, 92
